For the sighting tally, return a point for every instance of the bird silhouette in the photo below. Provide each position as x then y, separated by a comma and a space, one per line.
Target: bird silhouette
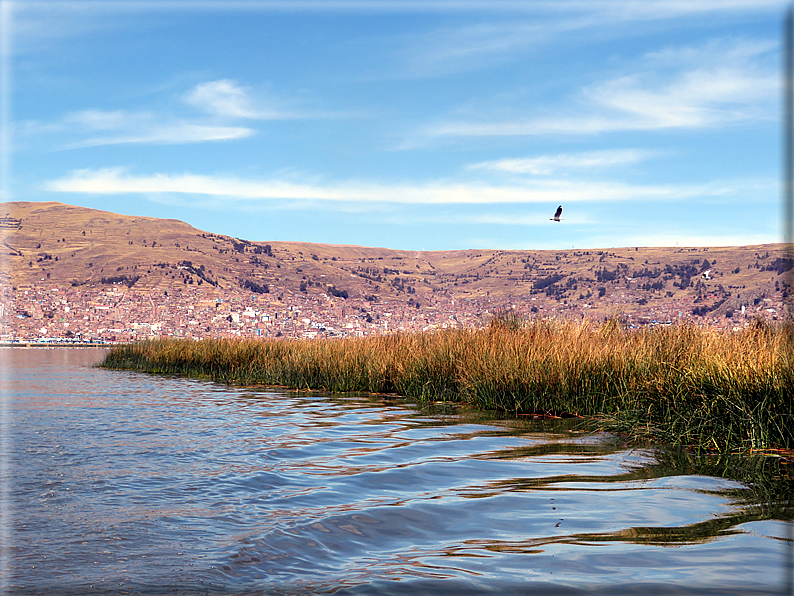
557, 214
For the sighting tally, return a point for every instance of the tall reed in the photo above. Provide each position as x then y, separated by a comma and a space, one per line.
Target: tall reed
681, 384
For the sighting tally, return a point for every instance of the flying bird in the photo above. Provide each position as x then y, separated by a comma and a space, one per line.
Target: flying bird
557, 214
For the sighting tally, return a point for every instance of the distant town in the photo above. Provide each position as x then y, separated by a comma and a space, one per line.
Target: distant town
120, 314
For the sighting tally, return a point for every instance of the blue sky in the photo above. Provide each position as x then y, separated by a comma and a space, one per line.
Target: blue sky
411, 125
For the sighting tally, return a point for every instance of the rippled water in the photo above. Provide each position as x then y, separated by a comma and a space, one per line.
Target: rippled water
125, 483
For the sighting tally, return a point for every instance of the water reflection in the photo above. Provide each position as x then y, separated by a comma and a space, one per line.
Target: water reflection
130, 483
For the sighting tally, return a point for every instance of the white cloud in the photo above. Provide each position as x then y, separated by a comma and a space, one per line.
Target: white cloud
41, 25
516, 26
224, 101
101, 120
224, 98
710, 95
721, 83
170, 134
122, 127
714, 52
671, 9
227, 99
116, 181
548, 164
449, 50
96, 128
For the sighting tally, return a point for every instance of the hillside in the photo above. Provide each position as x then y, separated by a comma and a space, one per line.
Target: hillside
48, 245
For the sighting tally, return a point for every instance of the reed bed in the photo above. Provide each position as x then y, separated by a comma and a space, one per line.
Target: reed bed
681, 384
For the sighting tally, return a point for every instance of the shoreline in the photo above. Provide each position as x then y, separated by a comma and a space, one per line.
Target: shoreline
679, 385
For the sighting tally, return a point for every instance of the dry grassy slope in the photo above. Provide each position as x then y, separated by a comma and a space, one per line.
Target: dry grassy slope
59, 244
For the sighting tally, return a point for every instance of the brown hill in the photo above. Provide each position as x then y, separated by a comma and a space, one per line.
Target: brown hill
57, 245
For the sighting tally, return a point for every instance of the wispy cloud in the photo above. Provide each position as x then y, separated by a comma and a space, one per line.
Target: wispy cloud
226, 98
115, 181
721, 83
633, 10
223, 98
223, 105
549, 164
177, 133
96, 128
450, 50
515, 27
727, 86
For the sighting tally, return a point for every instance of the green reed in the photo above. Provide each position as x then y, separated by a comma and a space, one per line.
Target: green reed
680, 384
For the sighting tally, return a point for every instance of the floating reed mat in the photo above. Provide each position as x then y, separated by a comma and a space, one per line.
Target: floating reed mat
680, 384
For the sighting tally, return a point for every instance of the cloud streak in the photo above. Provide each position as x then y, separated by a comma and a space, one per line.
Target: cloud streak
522, 25
121, 127
548, 164
722, 83
170, 134
224, 104
114, 181
96, 128
225, 98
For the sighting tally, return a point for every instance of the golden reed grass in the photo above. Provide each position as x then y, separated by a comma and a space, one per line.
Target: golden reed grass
681, 384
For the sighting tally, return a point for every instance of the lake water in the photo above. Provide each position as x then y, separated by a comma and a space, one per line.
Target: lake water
126, 483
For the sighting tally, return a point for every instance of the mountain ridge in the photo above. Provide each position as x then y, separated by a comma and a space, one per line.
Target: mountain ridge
51, 244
